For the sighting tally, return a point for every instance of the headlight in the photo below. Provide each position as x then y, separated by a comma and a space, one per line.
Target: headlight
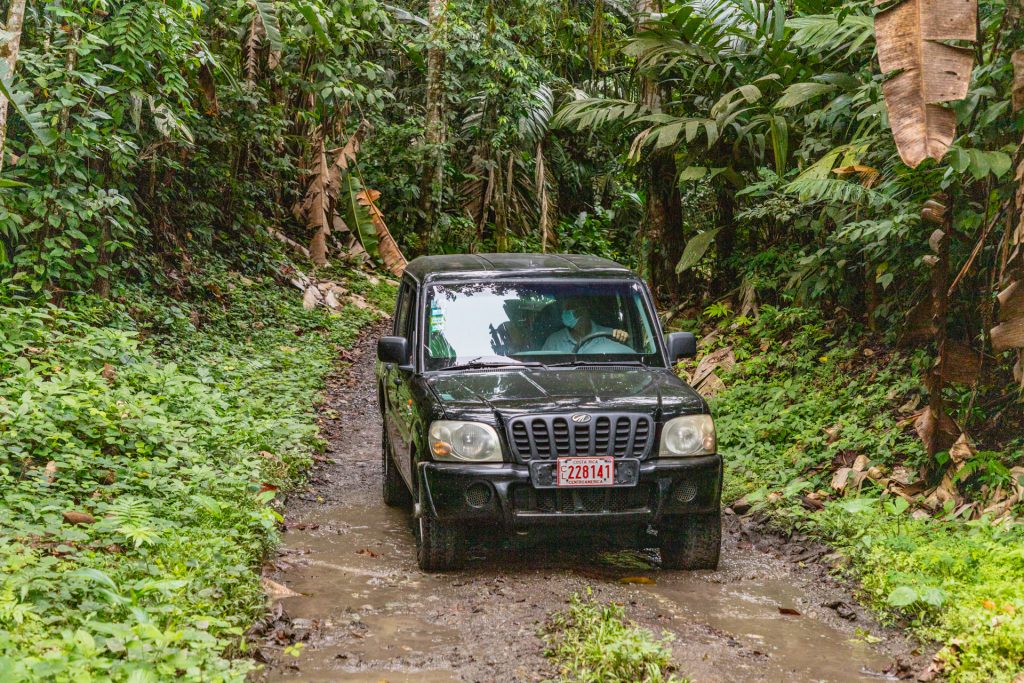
455, 440
688, 435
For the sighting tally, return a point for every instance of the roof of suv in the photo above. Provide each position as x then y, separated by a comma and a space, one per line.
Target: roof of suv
476, 265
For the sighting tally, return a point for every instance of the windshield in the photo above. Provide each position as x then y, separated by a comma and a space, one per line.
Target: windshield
512, 323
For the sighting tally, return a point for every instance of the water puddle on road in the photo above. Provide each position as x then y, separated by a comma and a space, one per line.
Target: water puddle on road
361, 599
746, 599
373, 616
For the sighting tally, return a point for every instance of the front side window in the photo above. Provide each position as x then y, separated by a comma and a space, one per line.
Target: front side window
513, 322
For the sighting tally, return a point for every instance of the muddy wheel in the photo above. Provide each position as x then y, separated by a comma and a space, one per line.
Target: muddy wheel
396, 494
440, 546
692, 542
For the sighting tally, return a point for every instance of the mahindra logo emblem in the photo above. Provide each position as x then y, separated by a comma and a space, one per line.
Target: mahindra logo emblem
581, 418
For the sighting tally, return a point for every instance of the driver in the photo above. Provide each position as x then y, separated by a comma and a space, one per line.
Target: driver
578, 325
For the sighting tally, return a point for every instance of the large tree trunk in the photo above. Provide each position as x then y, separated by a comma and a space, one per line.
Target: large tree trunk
9, 53
663, 220
664, 226
432, 181
725, 277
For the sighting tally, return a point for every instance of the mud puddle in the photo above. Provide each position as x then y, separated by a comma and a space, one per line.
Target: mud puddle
366, 613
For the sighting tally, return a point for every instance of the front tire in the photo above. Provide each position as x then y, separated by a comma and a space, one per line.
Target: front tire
692, 542
395, 493
441, 546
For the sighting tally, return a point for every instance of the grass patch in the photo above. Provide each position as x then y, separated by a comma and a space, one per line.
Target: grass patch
141, 445
595, 643
798, 405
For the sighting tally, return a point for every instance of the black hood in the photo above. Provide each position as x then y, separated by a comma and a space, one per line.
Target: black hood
539, 390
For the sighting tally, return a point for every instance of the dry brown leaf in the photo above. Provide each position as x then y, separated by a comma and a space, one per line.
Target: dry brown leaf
860, 463
919, 326
1008, 335
936, 435
840, 478
209, 89
386, 245
75, 517
720, 358
643, 580
960, 363
109, 373
311, 297
832, 433
277, 591
1011, 301
930, 72
961, 451
868, 175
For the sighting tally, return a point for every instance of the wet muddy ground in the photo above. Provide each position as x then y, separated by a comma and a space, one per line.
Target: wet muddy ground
366, 613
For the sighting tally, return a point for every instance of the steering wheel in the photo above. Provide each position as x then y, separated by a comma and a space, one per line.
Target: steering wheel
593, 335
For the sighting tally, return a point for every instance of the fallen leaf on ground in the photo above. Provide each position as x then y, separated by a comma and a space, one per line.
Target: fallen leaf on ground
789, 611
367, 552
277, 591
74, 517
637, 579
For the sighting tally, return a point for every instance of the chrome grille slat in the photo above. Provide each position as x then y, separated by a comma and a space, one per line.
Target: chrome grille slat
623, 435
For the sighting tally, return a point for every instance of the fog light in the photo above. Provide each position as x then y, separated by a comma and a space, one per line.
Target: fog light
478, 495
686, 492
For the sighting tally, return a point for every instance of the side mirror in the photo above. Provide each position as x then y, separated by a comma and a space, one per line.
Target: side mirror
681, 345
393, 350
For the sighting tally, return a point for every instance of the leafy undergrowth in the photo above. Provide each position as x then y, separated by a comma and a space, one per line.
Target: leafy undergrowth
801, 404
141, 444
595, 643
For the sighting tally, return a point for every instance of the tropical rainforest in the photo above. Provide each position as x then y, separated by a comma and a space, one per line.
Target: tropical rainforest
202, 203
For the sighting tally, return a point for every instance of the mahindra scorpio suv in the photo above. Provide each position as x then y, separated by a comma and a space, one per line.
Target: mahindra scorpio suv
534, 395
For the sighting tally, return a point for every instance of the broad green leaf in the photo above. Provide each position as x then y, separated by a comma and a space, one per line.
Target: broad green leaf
357, 216
693, 173
695, 250
268, 15
999, 163
315, 21
798, 93
902, 596
857, 505
20, 100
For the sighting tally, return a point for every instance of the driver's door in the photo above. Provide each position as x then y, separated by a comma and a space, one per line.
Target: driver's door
397, 383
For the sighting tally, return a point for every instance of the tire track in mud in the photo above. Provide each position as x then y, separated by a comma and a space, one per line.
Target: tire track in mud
366, 612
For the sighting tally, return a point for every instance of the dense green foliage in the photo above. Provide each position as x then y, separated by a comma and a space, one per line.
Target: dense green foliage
737, 152
800, 402
170, 424
592, 642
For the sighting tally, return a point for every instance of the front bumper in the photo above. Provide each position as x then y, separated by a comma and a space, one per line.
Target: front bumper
503, 494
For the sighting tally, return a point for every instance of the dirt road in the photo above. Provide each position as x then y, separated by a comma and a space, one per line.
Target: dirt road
366, 613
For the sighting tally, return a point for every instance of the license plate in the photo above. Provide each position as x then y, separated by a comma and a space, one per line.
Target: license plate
586, 472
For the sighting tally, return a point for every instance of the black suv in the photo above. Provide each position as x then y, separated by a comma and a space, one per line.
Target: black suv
535, 393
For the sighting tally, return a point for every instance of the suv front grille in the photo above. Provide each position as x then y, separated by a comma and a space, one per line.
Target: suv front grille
623, 435
569, 501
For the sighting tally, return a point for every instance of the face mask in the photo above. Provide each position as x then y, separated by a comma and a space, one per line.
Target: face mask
569, 319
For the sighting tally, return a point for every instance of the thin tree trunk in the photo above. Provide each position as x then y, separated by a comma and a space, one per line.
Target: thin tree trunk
540, 179
9, 53
434, 126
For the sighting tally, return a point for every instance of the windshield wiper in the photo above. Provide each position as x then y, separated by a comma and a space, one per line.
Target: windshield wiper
577, 363
476, 363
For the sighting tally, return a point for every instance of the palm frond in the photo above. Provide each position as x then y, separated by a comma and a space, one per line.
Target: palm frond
594, 112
